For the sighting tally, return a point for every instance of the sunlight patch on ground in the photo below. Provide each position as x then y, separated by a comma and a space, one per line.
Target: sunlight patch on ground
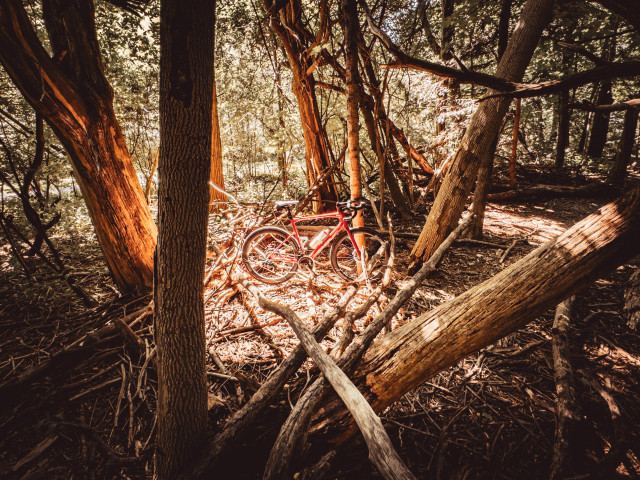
534, 223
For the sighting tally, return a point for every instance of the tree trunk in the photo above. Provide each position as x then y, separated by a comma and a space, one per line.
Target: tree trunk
186, 103
619, 170
514, 145
350, 28
564, 119
600, 125
303, 85
481, 192
73, 95
482, 130
217, 174
413, 353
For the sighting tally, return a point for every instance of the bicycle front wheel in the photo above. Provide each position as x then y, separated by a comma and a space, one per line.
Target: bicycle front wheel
270, 255
370, 264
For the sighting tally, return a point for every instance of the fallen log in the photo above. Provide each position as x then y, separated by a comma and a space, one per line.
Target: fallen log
553, 191
567, 412
410, 355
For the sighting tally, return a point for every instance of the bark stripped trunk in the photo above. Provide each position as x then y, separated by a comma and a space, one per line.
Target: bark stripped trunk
413, 353
482, 131
217, 174
303, 84
350, 29
71, 92
186, 101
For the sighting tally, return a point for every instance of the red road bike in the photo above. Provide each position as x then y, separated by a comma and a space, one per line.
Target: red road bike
272, 254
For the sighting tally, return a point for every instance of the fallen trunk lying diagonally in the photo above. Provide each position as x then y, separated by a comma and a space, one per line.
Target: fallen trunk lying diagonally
408, 356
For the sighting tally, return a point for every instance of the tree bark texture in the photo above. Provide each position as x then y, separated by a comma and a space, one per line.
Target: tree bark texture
286, 24
564, 119
71, 92
186, 98
350, 28
619, 171
413, 353
481, 132
481, 192
567, 412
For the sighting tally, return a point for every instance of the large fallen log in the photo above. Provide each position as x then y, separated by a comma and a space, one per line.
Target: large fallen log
553, 191
410, 355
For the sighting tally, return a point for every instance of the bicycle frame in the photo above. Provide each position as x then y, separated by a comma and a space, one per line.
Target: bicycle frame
342, 224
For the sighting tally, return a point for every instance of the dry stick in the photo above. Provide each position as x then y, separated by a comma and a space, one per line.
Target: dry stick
247, 415
10, 391
295, 429
619, 445
566, 406
508, 250
381, 451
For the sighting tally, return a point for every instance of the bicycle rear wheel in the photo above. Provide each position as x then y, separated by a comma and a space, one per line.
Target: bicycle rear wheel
270, 255
346, 262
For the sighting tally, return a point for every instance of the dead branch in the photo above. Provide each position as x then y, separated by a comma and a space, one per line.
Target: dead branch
614, 107
11, 392
381, 452
294, 431
244, 418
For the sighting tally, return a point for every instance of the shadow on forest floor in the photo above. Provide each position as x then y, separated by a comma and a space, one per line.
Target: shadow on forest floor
490, 416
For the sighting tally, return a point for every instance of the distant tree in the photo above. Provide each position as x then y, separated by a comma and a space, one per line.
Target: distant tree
186, 102
69, 89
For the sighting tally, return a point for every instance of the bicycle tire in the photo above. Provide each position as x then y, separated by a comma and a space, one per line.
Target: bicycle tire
344, 260
258, 255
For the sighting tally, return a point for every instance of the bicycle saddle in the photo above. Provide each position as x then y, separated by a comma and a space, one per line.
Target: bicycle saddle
286, 204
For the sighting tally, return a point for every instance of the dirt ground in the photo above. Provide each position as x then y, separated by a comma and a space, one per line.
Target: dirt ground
90, 413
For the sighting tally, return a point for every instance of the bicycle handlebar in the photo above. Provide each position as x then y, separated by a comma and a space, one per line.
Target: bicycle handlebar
358, 204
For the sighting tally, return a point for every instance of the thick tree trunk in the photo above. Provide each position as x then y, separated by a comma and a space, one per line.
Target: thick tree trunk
564, 118
413, 353
350, 28
619, 170
482, 130
303, 84
73, 95
186, 101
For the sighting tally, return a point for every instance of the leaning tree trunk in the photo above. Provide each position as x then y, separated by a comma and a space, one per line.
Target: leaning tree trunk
71, 92
619, 170
410, 355
303, 85
481, 132
186, 101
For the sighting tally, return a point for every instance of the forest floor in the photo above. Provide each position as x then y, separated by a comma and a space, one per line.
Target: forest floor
89, 412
